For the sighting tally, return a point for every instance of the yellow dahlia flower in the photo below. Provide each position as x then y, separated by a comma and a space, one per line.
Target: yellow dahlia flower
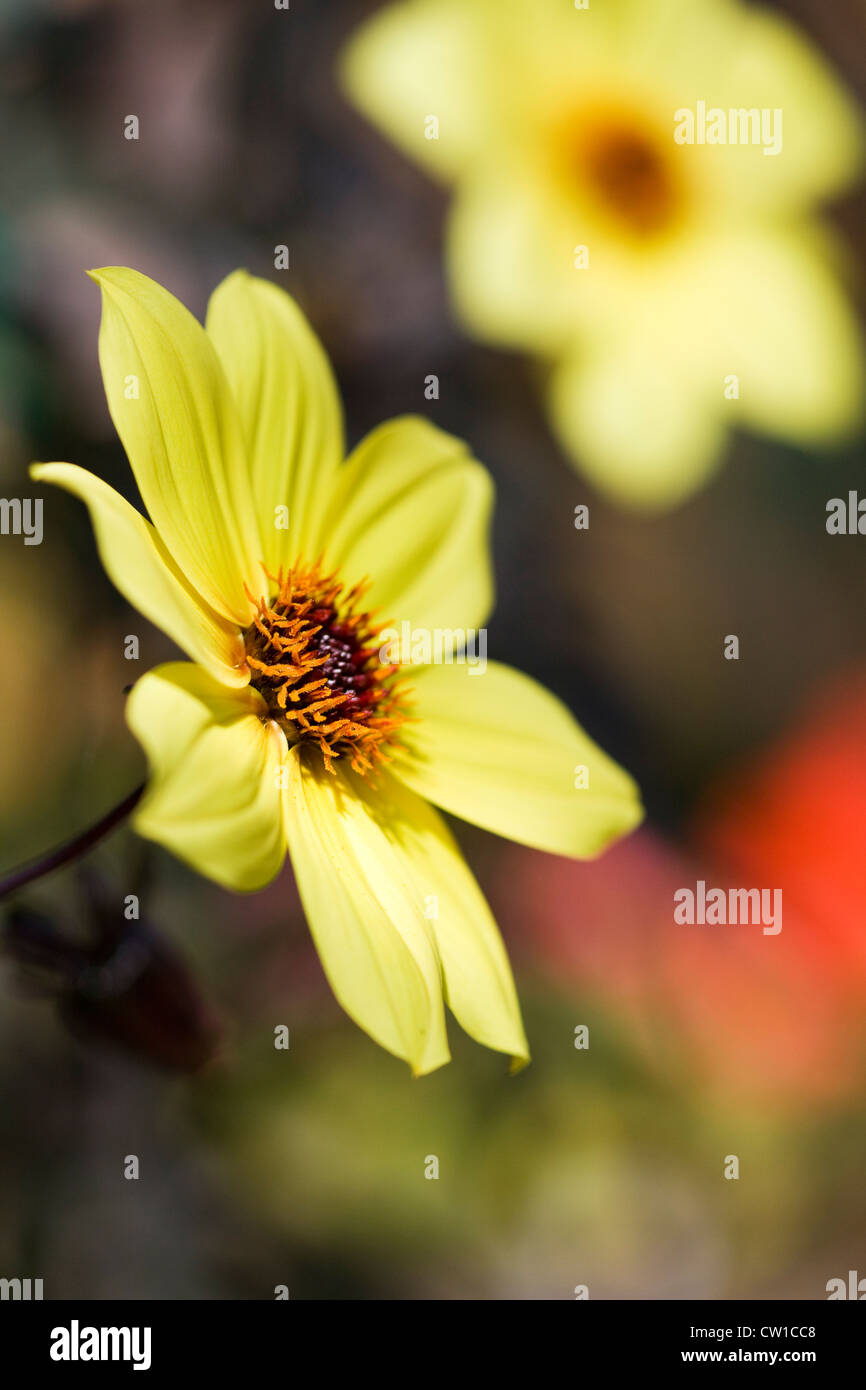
264, 559
634, 183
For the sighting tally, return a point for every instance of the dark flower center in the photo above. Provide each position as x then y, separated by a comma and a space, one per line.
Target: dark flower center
628, 168
314, 657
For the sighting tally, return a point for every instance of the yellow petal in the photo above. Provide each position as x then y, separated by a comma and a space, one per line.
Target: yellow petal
288, 404
479, 988
411, 61
138, 564
486, 72
365, 910
499, 750
505, 291
775, 67
213, 797
412, 512
775, 316
636, 422
176, 416
645, 413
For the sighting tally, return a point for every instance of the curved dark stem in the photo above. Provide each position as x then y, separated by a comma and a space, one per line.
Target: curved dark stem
19, 878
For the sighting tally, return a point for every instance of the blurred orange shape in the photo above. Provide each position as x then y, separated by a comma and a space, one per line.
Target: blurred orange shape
772, 1017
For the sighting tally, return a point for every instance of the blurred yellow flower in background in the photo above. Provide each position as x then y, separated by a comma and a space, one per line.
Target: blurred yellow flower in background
634, 185
289, 729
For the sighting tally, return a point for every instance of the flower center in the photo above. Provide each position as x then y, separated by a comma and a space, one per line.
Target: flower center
628, 168
314, 657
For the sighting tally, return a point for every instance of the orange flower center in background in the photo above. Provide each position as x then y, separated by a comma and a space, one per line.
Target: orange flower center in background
314, 657
626, 165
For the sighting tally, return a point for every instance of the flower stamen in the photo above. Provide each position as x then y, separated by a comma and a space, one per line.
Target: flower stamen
314, 657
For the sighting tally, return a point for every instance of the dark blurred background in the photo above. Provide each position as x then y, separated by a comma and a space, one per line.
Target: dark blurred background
306, 1167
